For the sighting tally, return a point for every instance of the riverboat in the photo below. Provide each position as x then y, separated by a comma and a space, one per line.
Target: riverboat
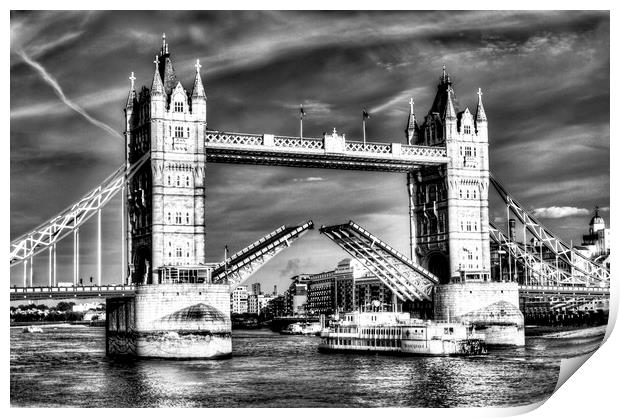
32, 330
300, 328
398, 333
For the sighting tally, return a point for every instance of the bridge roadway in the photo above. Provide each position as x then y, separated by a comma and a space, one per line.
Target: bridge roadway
84, 292
331, 151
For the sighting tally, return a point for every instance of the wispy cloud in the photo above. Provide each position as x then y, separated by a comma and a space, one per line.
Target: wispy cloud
307, 179
554, 212
51, 81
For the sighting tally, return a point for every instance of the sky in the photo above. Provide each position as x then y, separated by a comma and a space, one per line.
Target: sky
545, 78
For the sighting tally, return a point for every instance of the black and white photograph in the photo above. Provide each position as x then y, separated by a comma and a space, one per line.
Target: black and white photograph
306, 209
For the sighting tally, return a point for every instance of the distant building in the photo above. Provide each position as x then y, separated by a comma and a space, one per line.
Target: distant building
275, 307
598, 240
84, 307
239, 300
296, 297
348, 287
258, 302
256, 288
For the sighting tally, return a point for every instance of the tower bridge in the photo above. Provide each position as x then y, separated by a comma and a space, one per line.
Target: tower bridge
167, 285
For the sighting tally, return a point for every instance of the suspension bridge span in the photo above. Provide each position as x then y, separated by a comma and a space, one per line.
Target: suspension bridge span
166, 285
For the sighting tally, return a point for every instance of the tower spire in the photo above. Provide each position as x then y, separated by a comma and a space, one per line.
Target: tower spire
132, 91
198, 90
480, 114
157, 87
450, 112
411, 128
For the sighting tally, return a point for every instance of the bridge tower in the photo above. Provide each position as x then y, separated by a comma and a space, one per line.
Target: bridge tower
166, 237
451, 202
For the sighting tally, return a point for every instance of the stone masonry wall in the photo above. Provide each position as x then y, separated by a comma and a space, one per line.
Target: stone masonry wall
457, 299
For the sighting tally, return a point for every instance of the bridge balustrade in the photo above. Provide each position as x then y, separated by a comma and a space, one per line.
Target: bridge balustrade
316, 144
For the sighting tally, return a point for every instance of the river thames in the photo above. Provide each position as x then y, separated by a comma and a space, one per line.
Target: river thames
67, 367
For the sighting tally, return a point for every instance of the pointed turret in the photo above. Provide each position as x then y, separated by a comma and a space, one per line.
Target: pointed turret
157, 88
131, 97
198, 90
412, 127
480, 115
166, 69
450, 112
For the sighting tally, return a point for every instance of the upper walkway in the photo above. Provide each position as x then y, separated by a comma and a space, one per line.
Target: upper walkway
331, 151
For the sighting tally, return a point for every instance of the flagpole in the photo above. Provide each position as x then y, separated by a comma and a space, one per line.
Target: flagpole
364, 129
301, 121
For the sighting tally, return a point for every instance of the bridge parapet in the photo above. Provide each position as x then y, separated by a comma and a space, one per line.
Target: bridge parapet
229, 147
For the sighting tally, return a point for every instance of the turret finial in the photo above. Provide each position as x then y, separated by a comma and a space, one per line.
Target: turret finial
335, 131
132, 79
411, 103
156, 62
198, 66
479, 93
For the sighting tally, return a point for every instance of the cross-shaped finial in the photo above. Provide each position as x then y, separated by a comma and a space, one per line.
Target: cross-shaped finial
156, 62
132, 79
334, 131
479, 93
411, 103
198, 66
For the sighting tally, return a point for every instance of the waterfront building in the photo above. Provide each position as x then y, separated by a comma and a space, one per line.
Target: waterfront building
346, 288
258, 302
239, 300
296, 296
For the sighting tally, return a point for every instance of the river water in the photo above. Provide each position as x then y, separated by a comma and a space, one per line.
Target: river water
67, 367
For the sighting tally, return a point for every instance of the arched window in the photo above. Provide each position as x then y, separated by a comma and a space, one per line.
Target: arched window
187, 219
168, 180
187, 181
169, 217
179, 252
178, 106
178, 180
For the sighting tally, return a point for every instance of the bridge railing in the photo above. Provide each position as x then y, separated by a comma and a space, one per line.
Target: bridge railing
337, 145
71, 289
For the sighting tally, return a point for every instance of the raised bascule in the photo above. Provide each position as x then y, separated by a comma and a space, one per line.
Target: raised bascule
172, 303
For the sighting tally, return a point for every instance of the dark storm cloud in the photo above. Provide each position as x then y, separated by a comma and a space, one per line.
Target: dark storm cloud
544, 75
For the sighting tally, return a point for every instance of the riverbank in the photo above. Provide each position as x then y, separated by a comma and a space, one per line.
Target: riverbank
564, 331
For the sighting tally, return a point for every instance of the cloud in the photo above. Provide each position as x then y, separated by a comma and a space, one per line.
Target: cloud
554, 212
51, 108
49, 79
307, 179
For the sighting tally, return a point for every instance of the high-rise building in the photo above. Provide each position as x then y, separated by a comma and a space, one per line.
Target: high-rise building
256, 288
